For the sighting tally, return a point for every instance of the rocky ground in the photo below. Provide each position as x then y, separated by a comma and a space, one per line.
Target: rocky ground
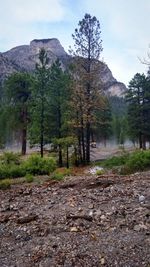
82, 221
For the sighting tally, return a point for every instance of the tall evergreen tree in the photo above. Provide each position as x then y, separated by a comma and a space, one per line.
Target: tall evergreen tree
17, 92
60, 92
138, 98
40, 102
88, 46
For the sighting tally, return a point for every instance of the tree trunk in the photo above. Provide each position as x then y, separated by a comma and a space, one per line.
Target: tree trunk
24, 131
76, 157
60, 156
42, 133
83, 146
143, 142
88, 143
42, 122
140, 141
67, 158
24, 141
79, 148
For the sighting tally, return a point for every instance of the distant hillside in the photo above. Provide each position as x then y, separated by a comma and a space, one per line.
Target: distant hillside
24, 57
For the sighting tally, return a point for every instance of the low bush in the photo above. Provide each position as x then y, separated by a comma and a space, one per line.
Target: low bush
60, 173
137, 161
10, 158
100, 172
115, 161
57, 176
11, 171
37, 165
130, 163
29, 178
5, 184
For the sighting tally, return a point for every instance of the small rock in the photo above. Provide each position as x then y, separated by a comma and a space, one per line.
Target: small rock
137, 228
91, 206
98, 213
74, 229
102, 261
103, 217
91, 213
141, 199
27, 218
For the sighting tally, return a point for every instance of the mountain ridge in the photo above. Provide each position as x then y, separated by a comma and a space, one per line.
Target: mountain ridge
24, 57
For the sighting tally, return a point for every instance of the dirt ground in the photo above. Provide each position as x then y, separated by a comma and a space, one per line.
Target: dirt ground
83, 221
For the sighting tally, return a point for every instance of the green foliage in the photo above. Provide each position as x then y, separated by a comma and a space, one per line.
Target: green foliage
39, 110
138, 161
17, 91
11, 171
12, 167
29, 178
57, 176
10, 158
86, 99
138, 99
60, 173
5, 184
37, 165
115, 161
129, 163
100, 172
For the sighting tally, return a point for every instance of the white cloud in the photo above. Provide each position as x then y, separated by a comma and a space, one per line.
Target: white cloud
23, 20
124, 24
32, 11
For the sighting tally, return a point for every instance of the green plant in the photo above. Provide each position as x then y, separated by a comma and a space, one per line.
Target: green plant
60, 173
10, 158
5, 184
137, 161
115, 161
37, 165
57, 176
12, 171
100, 172
29, 178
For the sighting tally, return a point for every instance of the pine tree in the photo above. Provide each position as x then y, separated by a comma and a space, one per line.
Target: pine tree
138, 99
40, 102
60, 92
17, 92
88, 46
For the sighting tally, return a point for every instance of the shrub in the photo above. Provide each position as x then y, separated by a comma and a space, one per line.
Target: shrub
37, 165
29, 178
115, 161
5, 184
10, 158
137, 161
57, 176
11, 171
100, 172
60, 173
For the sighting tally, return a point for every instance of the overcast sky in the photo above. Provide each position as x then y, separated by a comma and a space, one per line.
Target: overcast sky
125, 27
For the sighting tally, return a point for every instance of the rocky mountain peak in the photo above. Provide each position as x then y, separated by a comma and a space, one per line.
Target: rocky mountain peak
50, 45
25, 57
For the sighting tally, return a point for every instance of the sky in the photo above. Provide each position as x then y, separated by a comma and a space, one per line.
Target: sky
125, 28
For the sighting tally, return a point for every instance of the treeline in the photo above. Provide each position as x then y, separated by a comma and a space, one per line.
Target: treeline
63, 107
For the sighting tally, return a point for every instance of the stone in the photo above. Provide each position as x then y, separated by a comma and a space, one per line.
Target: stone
74, 229
25, 57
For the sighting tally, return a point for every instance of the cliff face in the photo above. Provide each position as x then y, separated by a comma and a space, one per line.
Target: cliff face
24, 57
